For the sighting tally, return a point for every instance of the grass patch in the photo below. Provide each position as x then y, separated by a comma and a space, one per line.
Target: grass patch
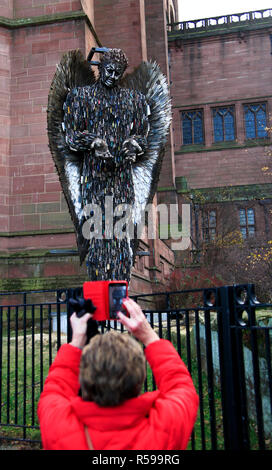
25, 361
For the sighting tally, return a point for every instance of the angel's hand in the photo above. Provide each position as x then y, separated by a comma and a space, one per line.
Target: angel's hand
130, 149
100, 148
79, 141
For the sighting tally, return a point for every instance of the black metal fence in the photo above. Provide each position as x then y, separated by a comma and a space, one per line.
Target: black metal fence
223, 335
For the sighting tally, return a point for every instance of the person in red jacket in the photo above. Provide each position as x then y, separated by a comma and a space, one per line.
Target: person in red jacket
111, 413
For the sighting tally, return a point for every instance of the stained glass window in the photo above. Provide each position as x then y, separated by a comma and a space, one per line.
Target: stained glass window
247, 222
223, 124
209, 225
192, 127
255, 121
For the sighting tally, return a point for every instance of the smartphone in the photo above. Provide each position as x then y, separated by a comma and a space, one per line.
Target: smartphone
117, 292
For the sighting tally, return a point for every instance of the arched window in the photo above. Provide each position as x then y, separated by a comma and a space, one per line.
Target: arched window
192, 127
255, 121
224, 124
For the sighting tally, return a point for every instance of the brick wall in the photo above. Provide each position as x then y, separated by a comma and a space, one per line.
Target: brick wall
36, 201
223, 167
157, 50
119, 25
5, 77
30, 8
222, 70
7, 8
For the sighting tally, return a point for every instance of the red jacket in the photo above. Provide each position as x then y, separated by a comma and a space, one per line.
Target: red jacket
159, 420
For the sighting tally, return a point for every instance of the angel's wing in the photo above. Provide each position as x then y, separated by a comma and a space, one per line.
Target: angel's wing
151, 82
72, 71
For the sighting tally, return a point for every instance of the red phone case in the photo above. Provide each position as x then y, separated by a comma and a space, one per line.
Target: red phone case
98, 292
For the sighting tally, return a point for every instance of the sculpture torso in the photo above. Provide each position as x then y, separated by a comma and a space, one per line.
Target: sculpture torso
113, 115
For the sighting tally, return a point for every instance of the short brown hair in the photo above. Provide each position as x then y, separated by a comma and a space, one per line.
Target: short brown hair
112, 369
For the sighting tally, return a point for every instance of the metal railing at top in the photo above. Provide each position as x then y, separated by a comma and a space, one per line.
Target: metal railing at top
226, 21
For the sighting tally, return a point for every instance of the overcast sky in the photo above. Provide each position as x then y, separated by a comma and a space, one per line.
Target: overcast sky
197, 9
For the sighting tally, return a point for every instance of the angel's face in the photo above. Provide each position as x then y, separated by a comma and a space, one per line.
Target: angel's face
110, 74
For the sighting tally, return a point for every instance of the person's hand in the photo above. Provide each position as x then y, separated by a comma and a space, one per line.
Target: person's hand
79, 329
137, 323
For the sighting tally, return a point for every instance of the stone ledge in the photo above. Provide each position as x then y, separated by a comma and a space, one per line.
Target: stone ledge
198, 148
16, 23
17, 255
231, 193
46, 283
31, 233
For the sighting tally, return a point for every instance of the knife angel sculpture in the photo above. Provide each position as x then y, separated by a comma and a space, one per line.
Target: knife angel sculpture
107, 136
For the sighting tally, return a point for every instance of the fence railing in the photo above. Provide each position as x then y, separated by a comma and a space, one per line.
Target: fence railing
223, 21
223, 334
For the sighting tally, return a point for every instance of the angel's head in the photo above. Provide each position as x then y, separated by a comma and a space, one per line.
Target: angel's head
112, 66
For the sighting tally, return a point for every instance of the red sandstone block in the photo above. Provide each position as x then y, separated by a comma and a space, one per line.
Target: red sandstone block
28, 184
59, 269
76, 5
53, 58
41, 148
37, 169
19, 131
50, 168
41, 158
14, 171
40, 93
35, 60
21, 209
18, 5
16, 223
24, 83
22, 48
56, 220
46, 2
69, 34
58, 8
52, 187
39, 48
4, 82
42, 71
48, 197
19, 199
54, 28
37, 129
32, 222
37, 86
69, 44
19, 38
4, 210
20, 96
37, 35
40, 102
4, 225
33, 119
30, 12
